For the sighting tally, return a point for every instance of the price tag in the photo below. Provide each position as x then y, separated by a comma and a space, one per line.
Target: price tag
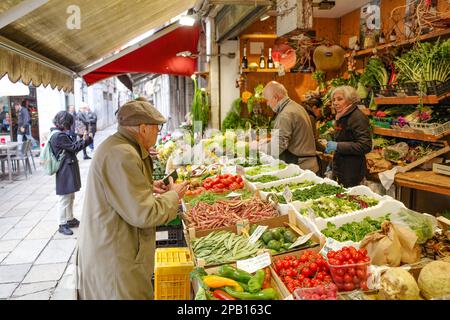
287, 194
253, 264
257, 234
301, 240
311, 213
281, 71
162, 235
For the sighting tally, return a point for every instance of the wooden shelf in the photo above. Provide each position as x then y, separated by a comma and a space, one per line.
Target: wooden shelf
409, 135
259, 36
263, 71
428, 36
411, 99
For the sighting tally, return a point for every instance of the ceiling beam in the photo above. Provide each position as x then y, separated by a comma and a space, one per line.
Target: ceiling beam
20, 10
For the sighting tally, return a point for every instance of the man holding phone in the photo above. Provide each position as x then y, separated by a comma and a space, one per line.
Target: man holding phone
122, 208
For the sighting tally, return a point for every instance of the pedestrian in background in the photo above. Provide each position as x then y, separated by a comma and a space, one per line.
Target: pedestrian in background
92, 118
82, 126
73, 127
68, 180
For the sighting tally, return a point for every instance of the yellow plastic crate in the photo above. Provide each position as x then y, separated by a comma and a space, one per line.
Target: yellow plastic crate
172, 268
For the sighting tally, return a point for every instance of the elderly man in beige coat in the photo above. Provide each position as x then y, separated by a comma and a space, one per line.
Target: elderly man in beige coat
296, 139
122, 207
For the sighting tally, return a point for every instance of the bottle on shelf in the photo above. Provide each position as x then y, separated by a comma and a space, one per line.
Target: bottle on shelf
262, 60
381, 39
244, 59
270, 63
393, 35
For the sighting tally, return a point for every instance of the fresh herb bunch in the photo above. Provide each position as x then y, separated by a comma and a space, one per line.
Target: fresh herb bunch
264, 179
354, 231
425, 62
315, 192
264, 169
292, 186
211, 198
327, 207
200, 105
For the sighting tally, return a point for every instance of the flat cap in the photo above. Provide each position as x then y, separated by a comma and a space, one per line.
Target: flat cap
137, 112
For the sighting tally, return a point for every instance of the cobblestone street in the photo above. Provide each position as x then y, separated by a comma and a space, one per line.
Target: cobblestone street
36, 262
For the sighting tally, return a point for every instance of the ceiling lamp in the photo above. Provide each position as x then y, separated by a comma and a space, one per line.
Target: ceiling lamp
188, 19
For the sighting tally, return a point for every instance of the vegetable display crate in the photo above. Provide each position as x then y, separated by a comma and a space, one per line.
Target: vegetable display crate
316, 223
430, 128
291, 171
409, 89
170, 236
172, 268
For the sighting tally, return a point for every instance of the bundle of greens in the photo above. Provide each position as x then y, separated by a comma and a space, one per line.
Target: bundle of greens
265, 169
327, 207
200, 105
425, 62
264, 179
315, 192
292, 186
211, 198
375, 74
354, 231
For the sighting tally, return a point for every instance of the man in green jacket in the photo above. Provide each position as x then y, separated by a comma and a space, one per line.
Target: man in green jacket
122, 208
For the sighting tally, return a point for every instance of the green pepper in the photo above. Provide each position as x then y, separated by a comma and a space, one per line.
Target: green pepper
255, 283
265, 294
243, 285
228, 271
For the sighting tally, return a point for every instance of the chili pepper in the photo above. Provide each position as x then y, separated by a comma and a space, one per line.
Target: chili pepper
255, 283
214, 281
234, 273
267, 278
266, 294
222, 295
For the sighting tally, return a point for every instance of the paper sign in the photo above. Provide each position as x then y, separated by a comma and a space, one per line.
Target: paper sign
311, 213
257, 234
301, 240
287, 194
281, 71
162, 235
253, 264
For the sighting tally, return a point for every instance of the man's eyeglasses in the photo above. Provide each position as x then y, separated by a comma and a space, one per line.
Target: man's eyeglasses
160, 127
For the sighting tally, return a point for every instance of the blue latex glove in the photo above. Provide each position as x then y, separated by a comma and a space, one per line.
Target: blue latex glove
331, 146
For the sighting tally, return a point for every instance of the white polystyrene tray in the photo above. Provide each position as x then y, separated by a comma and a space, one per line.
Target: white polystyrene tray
307, 175
290, 171
386, 205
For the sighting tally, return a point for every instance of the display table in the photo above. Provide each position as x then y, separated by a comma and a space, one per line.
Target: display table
424, 180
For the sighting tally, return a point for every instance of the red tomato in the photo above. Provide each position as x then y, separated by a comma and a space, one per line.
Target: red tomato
320, 276
313, 267
303, 258
361, 274
289, 272
295, 263
331, 254
294, 272
356, 281
363, 286
363, 252
348, 286
241, 184
339, 257
347, 256
366, 259
348, 278
340, 272
337, 279
286, 264
306, 272
279, 265
351, 271
238, 179
301, 277
220, 185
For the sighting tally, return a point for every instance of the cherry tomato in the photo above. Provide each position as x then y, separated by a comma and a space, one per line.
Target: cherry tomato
295, 263
238, 179
356, 280
241, 184
366, 259
339, 257
279, 265
351, 271
338, 279
320, 276
363, 252
340, 271
331, 254
313, 267
304, 258
348, 286
363, 286
306, 272
348, 278
347, 256
286, 264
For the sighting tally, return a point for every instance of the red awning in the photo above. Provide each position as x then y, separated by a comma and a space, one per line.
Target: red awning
158, 56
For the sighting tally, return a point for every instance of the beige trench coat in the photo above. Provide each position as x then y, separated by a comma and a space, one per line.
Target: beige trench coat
116, 244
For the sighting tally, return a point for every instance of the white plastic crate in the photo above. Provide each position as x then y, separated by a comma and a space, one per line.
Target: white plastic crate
291, 170
430, 128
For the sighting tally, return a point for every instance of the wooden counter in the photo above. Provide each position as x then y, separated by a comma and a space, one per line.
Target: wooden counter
424, 180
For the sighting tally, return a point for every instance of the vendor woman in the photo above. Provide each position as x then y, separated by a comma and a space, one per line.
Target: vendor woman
352, 138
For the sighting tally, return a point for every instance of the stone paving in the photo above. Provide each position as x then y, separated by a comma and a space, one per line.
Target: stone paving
36, 261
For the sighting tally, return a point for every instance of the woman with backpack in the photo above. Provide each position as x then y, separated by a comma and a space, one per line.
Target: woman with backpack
68, 179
